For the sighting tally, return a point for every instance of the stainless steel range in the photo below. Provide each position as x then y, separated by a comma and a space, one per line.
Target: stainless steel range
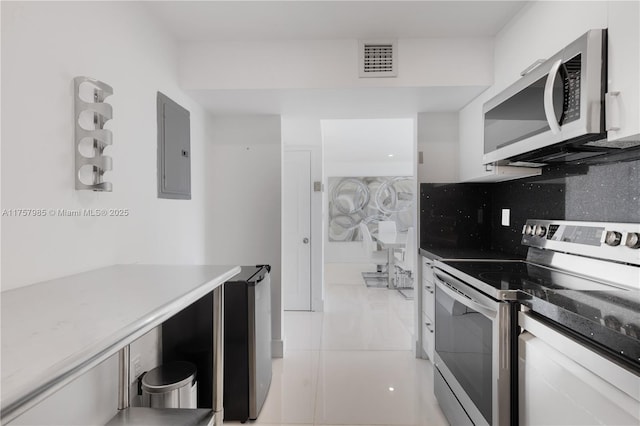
581, 279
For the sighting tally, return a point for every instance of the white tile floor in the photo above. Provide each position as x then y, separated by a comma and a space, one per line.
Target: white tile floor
353, 364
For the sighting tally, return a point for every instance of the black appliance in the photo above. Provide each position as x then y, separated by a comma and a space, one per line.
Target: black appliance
247, 342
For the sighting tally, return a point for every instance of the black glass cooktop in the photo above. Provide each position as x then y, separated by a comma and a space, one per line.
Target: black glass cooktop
604, 314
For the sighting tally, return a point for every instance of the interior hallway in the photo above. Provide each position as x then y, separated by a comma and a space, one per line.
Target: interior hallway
353, 364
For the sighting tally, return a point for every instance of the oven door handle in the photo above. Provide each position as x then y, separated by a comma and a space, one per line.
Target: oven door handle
447, 287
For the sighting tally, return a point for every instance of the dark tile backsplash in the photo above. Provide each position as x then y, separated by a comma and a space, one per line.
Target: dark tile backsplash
608, 193
525, 200
469, 215
455, 216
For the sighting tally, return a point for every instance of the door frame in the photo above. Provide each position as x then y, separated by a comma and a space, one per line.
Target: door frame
316, 228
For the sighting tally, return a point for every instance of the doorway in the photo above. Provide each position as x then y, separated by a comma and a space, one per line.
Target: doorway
296, 230
303, 282
369, 171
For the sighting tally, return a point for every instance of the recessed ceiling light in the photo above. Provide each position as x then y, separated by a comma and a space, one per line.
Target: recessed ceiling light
391, 389
389, 155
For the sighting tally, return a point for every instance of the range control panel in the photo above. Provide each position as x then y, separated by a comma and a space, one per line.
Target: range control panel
575, 234
614, 241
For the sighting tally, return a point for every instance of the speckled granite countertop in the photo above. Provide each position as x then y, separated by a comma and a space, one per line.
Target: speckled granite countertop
611, 319
438, 253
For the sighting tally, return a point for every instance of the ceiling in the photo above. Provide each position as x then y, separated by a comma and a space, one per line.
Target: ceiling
306, 20
383, 102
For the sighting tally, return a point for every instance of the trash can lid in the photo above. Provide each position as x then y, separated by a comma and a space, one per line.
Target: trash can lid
168, 377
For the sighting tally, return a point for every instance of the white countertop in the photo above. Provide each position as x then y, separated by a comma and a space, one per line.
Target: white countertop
55, 330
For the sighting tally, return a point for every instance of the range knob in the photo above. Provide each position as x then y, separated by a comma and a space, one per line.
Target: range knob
613, 238
541, 231
528, 230
633, 240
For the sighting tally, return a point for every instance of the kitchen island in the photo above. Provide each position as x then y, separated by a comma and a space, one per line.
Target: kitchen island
55, 331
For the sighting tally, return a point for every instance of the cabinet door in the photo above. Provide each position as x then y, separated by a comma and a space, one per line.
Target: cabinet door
428, 290
554, 389
471, 133
428, 336
427, 273
564, 381
624, 70
428, 302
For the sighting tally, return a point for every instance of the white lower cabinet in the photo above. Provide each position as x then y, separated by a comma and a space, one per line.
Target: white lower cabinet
428, 308
428, 298
428, 336
563, 382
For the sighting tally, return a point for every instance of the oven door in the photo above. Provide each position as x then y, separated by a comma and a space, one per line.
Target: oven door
472, 350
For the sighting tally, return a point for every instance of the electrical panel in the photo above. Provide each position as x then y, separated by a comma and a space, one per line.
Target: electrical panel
174, 150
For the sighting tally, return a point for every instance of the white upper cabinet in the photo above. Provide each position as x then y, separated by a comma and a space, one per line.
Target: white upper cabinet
437, 147
623, 109
470, 143
539, 31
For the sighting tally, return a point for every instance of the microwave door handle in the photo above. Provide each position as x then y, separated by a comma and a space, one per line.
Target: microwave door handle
484, 310
549, 111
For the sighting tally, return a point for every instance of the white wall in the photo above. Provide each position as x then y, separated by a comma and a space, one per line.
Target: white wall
303, 130
362, 147
243, 199
438, 142
359, 148
331, 64
45, 45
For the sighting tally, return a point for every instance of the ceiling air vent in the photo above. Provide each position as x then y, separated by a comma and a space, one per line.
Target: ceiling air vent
378, 59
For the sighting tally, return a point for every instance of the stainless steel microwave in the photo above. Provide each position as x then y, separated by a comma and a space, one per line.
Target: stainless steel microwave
555, 112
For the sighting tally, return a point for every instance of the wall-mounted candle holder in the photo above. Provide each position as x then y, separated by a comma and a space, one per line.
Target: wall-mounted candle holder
91, 138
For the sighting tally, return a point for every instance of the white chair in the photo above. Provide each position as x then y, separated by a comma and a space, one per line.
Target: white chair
370, 247
386, 227
405, 263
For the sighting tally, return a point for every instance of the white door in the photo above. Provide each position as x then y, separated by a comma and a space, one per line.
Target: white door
296, 226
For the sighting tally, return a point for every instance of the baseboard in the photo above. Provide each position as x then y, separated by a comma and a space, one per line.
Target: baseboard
277, 348
420, 353
317, 305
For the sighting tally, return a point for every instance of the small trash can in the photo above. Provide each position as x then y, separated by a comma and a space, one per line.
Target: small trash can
171, 385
